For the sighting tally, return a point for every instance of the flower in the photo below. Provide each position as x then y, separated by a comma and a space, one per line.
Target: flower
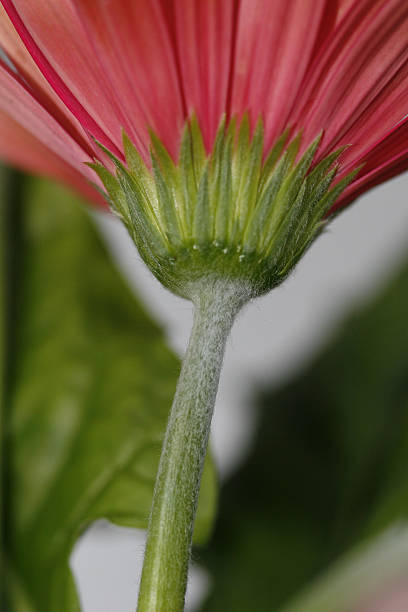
333, 71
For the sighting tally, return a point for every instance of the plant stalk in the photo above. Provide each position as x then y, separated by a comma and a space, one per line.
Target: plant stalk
167, 555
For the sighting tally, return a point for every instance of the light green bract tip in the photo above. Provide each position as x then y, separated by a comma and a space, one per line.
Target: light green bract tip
231, 215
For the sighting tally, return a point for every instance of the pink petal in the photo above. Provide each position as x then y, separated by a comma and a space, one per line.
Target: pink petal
343, 6
133, 46
386, 159
389, 105
274, 47
22, 149
359, 68
17, 102
48, 30
204, 35
15, 50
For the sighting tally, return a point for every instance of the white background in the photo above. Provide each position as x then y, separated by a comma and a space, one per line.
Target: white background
272, 338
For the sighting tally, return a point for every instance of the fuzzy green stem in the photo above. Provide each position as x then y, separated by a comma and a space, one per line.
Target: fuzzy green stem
164, 576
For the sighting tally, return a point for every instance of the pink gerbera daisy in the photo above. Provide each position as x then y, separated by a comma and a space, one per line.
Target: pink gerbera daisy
224, 133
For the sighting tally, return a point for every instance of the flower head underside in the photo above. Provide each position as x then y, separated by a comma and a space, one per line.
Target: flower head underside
246, 120
233, 213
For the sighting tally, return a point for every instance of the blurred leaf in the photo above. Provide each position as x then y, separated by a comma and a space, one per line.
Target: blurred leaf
3, 375
89, 394
328, 467
368, 573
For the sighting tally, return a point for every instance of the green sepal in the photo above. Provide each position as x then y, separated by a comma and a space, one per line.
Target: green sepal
291, 185
223, 206
255, 228
188, 183
250, 174
198, 149
202, 218
115, 196
331, 196
232, 213
138, 214
171, 222
149, 240
216, 169
318, 173
273, 157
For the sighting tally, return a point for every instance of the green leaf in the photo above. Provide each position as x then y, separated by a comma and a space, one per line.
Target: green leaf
328, 469
88, 399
